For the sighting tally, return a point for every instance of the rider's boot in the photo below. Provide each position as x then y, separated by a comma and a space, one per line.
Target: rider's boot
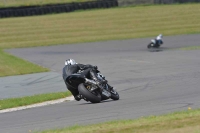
78, 97
74, 92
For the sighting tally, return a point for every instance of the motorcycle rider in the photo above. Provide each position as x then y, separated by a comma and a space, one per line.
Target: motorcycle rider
89, 71
159, 40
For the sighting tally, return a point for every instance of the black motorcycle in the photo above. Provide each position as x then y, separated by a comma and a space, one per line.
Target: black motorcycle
89, 90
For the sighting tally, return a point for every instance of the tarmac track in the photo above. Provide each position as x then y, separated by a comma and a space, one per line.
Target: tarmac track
149, 83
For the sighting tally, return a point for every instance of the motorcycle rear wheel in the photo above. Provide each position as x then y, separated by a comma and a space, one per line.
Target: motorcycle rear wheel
93, 98
149, 45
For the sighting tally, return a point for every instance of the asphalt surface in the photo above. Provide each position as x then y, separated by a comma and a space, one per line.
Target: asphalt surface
31, 84
149, 83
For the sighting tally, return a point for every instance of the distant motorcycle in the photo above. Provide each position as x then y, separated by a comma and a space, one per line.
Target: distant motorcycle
155, 43
89, 90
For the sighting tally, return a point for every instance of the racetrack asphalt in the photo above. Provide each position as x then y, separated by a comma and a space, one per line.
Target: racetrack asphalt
149, 83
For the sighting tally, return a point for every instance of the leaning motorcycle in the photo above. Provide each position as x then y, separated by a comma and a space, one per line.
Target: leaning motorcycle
154, 44
89, 90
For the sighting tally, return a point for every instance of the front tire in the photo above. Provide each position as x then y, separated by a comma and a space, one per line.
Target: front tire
93, 98
114, 96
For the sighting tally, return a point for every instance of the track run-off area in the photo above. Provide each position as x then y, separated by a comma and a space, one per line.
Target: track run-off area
149, 83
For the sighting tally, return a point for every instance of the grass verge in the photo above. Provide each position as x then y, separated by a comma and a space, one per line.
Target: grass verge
17, 3
11, 65
100, 25
178, 122
190, 48
28, 100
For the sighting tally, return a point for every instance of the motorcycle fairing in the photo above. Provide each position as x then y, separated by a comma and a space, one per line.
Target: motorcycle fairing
153, 41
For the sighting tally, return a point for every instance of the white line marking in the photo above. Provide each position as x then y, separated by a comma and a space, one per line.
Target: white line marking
71, 98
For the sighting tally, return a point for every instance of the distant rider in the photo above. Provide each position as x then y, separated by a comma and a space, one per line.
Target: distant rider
159, 40
89, 71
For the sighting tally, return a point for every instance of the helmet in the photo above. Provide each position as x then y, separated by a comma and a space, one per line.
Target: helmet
70, 62
159, 37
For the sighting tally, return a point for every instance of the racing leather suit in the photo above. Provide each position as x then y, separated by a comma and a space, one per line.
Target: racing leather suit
88, 71
159, 40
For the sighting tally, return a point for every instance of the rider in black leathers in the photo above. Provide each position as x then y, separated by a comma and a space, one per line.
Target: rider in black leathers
88, 71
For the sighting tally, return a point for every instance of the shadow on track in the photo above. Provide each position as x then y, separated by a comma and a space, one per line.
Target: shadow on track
110, 100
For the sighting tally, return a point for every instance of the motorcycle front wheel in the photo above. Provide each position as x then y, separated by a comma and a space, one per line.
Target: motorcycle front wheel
114, 95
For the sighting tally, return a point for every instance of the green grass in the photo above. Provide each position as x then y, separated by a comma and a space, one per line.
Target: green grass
190, 48
28, 100
17, 3
178, 122
100, 25
11, 65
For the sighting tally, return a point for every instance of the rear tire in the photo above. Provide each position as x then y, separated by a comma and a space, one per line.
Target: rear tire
149, 46
88, 95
